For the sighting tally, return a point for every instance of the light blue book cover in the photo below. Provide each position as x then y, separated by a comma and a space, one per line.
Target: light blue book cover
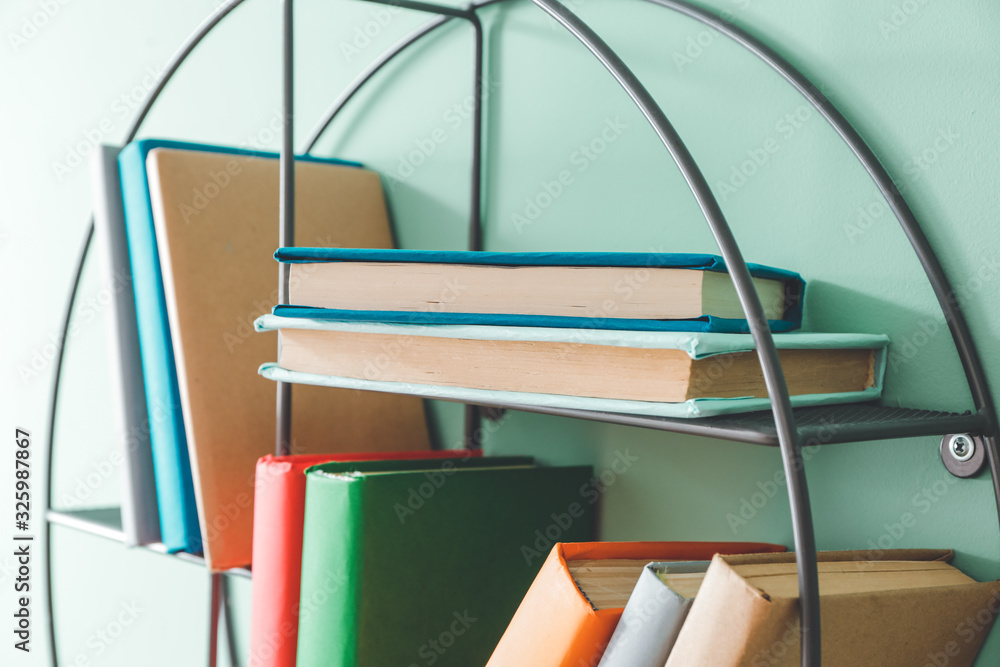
697, 345
179, 525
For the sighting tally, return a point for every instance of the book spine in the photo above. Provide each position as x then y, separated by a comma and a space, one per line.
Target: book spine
140, 515
649, 625
174, 485
332, 557
279, 496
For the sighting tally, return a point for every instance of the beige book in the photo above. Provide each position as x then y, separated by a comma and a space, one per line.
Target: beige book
651, 293
565, 367
908, 609
216, 219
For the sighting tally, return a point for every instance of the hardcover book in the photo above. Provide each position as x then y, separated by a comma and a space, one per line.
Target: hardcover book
570, 612
662, 373
403, 566
908, 608
279, 508
655, 612
200, 228
139, 510
647, 291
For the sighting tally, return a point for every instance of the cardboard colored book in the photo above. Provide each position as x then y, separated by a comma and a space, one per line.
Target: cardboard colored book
201, 229
558, 625
139, 510
403, 566
672, 374
279, 509
650, 291
909, 608
654, 615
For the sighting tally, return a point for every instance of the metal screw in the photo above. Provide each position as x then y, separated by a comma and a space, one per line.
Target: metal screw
962, 447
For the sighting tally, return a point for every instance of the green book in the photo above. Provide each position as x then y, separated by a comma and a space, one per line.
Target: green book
405, 566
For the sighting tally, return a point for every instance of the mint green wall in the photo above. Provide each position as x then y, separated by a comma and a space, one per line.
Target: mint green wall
918, 78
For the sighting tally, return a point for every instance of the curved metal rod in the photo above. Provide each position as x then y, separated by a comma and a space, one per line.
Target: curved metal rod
784, 419
364, 77
206, 26
52, 425
971, 362
172, 66
369, 72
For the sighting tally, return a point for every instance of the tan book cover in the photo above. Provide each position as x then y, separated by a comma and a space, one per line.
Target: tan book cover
216, 218
907, 609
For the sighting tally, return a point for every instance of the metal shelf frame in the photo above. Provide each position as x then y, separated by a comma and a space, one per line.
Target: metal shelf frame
789, 430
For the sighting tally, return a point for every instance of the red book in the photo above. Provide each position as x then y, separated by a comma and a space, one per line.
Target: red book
279, 505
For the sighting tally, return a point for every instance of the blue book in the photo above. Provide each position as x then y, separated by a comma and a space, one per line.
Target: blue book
578, 290
179, 525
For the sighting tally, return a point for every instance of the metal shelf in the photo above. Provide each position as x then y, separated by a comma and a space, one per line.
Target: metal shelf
783, 427
106, 522
825, 425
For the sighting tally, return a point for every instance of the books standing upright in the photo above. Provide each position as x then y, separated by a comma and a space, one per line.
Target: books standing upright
402, 565
140, 513
204, 217
279, 508
570, 612
908, 609
654, 615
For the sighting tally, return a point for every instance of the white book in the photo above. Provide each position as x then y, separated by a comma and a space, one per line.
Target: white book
139, 511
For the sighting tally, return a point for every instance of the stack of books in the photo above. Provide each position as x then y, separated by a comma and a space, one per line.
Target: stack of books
642, 333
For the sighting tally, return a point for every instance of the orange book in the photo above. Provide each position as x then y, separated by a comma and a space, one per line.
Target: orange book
559, 625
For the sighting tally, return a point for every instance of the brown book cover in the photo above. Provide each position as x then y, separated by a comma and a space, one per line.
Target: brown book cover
907, 609
216, 218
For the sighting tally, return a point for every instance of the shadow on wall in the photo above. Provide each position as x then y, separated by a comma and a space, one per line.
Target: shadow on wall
921, 348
